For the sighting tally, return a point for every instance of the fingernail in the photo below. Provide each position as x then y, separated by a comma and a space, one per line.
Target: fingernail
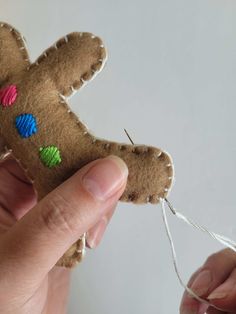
218, 295
106, 177
94, 236
202, 283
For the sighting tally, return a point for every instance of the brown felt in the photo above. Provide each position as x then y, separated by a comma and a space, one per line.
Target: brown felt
71, 60
60, 71
13, 55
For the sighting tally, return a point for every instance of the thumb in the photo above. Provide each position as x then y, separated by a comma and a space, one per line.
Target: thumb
35, 243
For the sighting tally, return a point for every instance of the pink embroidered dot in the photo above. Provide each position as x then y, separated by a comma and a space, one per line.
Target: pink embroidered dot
8, 95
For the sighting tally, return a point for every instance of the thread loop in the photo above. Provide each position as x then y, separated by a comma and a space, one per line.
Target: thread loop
220, 238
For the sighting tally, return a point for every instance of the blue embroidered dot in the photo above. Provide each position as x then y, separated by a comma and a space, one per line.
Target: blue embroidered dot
26, 125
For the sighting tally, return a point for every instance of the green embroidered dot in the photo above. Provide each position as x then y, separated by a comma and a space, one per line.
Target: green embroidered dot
50, 156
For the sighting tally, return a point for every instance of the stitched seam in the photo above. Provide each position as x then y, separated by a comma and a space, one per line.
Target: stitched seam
81, 80
152, 197
19, 39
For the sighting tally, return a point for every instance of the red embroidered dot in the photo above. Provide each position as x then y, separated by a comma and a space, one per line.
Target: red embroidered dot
8, 95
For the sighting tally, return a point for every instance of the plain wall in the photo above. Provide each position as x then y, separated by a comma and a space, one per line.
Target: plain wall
170, 80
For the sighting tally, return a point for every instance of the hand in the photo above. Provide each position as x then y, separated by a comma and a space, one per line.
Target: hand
215, 281
32, 241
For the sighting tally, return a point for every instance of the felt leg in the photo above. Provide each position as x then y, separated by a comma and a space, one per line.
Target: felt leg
150, 177
151, 171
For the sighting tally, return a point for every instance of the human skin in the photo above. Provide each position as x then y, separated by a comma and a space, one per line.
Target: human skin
33, 236
215, 281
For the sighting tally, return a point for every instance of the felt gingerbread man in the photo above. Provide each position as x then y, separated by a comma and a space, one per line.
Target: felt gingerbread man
47, 138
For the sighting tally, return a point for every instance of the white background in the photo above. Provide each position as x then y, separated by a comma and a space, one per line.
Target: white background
171, 81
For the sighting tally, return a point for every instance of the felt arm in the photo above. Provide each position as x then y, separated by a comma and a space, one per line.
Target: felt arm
72, 61
13, 55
